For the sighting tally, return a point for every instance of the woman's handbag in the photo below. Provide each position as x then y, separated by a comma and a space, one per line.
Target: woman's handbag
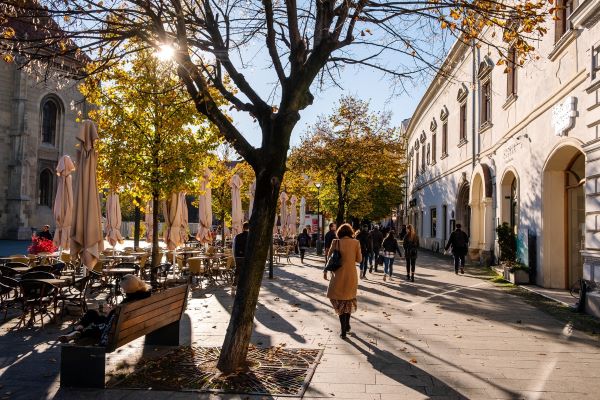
334, 262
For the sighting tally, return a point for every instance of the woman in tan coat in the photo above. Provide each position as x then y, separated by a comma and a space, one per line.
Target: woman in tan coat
344, 281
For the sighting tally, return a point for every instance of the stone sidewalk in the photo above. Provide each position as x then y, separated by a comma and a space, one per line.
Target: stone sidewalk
441, 337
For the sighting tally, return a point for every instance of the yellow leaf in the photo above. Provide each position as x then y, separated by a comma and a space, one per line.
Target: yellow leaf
8, 58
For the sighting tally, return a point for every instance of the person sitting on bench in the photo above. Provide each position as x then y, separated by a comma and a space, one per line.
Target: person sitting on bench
94, 325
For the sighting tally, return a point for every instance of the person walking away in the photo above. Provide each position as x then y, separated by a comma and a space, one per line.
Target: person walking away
239, 251
459, 241
411, 244
390, 248
329, 236
377, 239
303, 243
344, 281
362, 235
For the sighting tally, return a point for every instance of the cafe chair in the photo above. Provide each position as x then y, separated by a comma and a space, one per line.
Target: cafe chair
36, 299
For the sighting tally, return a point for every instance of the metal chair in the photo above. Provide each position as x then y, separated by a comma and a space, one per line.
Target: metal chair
5, 298
37, 275
5, 270
41, 268
76, 294
36, 297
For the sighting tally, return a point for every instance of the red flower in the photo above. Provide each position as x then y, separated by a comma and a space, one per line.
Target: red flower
41, 245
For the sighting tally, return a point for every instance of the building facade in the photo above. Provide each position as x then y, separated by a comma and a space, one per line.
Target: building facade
521, 146
37, 126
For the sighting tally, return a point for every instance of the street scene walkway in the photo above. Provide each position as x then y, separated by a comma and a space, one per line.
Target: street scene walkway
442, 337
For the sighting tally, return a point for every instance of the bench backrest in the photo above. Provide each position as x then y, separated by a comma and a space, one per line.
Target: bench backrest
142, 317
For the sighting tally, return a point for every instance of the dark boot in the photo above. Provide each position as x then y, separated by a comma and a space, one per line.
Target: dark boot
412, 277
343, 326
347, 322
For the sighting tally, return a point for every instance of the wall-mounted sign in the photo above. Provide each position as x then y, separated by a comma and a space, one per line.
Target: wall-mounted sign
563, 115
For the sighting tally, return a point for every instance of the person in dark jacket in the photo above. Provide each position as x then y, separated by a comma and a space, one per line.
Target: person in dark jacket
45, 233
411, 245
390, 248
362, 236
303, 243
239, 250
459, 241
95, 325
377, 239
329, 237
402, 234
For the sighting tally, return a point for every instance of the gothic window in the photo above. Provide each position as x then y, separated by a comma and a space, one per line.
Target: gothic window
46, 178
50, 114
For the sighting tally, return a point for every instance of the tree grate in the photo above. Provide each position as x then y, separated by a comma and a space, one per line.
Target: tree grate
271, 371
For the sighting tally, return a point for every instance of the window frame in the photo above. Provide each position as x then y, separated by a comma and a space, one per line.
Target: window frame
462, 132
433, 222
511, 75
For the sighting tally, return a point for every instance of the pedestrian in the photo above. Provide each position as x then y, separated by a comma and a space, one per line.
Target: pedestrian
45, 233
362, 235
239, 251
303, 243
344, 281
377, 239
390, 248
411, 244
459, 241
329, 236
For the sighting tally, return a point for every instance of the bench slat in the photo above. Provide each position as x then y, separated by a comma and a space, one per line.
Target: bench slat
150, 307
127, 324
130, 310
149, 326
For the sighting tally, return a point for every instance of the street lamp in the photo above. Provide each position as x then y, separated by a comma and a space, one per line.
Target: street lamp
319, 245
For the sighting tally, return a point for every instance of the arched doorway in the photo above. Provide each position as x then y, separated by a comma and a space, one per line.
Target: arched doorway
563, 217
510, 200
463, 211
482, 229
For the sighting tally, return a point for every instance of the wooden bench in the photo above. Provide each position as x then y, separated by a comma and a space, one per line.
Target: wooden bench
156, 317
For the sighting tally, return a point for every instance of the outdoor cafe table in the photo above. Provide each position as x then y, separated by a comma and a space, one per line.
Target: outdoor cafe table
21, 270
187, 253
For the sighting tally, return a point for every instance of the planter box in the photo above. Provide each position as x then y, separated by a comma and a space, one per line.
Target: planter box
518, 277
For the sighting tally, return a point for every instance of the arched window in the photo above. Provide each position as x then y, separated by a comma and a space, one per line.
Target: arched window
46, 178
49, 120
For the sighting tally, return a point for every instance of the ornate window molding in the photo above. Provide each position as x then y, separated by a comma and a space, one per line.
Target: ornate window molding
485, 68
462, 94
433, 125
444, 113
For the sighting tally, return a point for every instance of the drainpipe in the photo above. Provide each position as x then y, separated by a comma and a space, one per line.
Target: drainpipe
475, 63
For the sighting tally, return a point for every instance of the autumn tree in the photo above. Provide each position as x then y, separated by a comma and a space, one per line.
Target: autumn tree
153, 142
303, 43
357, 152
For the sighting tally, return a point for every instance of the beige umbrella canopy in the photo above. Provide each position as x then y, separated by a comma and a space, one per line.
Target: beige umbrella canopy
184, 218
302, 212
86, 230
174, 221
113, 219
63, 203
283, 197
292, 216
148, 221
237, 214
205, 209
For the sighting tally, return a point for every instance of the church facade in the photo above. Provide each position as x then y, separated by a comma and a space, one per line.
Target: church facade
522, 147
38, 124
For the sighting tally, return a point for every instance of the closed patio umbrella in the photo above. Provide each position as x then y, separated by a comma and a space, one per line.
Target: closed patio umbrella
302, 212
283, 197
149, 222
113, 219
237, 214
251, 192
63, 203
184, 218
205, 209
292, 216
173, 221
86, 230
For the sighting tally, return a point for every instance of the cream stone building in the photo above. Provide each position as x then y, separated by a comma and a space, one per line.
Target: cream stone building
37, 126
523, 147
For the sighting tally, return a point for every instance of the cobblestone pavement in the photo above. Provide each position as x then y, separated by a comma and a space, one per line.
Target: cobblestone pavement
443, 336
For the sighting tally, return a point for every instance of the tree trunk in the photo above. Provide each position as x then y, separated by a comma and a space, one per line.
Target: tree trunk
136, 226
339, 219
155, 233
235, 347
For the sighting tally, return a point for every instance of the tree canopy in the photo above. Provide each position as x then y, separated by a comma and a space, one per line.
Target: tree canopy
359, 157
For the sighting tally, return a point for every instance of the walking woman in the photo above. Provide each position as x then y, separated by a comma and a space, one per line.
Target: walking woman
344, 281
411, 244
390, 248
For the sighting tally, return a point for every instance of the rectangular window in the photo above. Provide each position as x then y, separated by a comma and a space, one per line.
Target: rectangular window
562, 24
423, 156
463, 123
434, 222
486, 102
416, 164
445, 138
511, 74
433, 147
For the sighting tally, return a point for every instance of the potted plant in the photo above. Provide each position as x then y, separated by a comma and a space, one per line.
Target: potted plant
512, 268
40, 245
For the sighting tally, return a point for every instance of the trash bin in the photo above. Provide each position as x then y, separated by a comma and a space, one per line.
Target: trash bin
319, 247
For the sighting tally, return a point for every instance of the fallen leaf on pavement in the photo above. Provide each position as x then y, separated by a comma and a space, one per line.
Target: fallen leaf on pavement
412, 360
